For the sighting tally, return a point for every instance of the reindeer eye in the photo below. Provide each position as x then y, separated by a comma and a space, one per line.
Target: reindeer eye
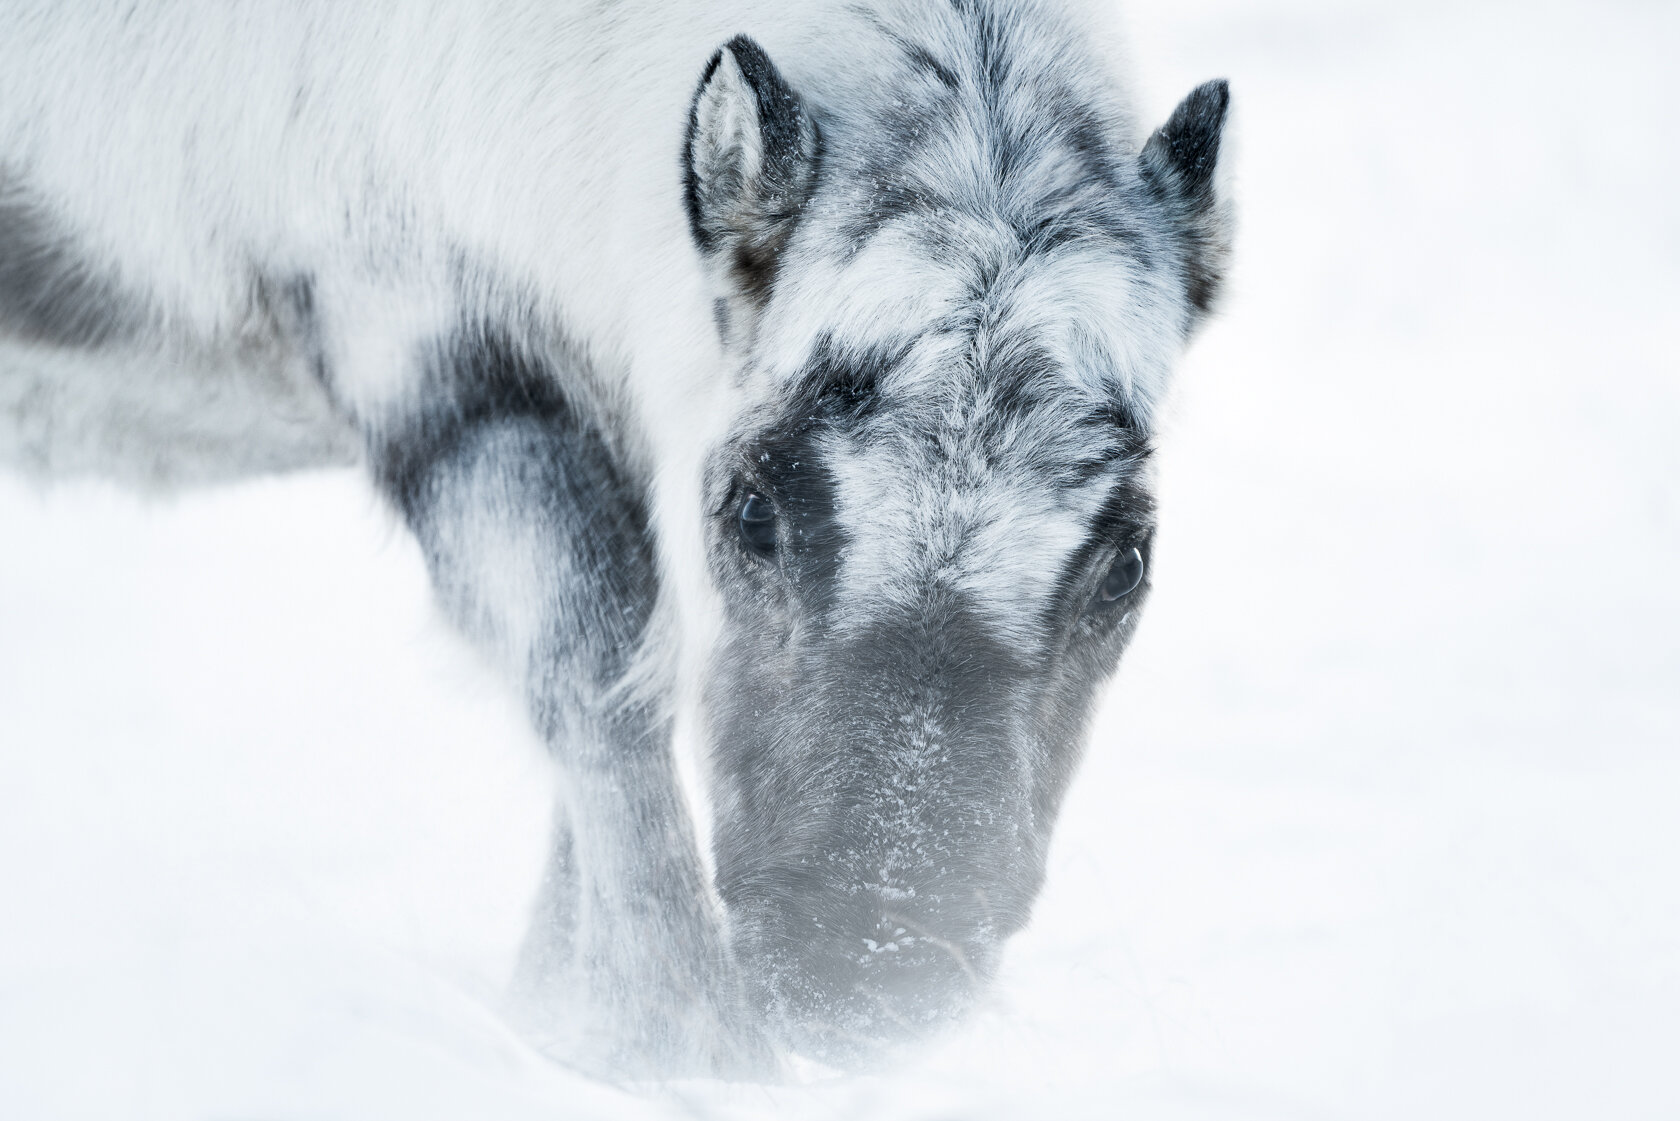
756, 520
1123, 576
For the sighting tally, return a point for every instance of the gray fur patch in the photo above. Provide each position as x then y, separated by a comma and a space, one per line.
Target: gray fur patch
49, 291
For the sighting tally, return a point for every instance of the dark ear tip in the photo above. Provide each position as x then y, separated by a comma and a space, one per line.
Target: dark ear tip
1206, 106
1186, 148
747, 52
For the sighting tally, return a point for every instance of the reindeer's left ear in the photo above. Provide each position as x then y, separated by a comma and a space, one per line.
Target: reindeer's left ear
749, 164
1180, 164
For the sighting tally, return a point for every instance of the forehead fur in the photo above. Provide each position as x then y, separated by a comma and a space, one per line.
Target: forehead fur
982, 181
1099, 327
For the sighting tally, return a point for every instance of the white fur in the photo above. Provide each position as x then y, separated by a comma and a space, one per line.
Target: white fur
425, 161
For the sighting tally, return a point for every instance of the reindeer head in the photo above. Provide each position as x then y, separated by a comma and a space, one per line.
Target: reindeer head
953, 289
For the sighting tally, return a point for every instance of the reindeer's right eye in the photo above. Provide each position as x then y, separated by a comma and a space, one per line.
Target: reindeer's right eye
1123, 577
756, 520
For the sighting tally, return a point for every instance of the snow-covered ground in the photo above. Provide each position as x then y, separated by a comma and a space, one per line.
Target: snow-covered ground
1380, 822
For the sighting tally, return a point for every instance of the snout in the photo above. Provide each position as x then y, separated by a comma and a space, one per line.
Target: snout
879, 838
868, 971
853, 948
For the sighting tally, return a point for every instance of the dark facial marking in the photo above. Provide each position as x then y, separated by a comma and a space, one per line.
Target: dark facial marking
784, 466
785, 469
1124, 522
841, 384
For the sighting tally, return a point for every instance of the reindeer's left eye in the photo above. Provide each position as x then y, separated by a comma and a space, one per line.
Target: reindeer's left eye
756, 519
1124, 575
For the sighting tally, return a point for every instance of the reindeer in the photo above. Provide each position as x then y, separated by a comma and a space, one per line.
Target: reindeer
770, 387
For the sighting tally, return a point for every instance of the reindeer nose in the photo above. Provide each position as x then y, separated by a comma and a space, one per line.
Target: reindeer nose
890, 936
906, 943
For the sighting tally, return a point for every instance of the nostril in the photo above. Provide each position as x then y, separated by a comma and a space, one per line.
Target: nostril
890, 936
904, 943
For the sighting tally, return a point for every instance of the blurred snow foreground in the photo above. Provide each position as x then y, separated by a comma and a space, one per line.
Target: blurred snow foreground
1379, 822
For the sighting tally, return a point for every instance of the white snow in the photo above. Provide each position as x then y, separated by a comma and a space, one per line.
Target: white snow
1380, 822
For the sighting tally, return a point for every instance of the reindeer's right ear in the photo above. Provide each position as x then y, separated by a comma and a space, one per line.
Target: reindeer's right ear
749, 164
1181, 164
